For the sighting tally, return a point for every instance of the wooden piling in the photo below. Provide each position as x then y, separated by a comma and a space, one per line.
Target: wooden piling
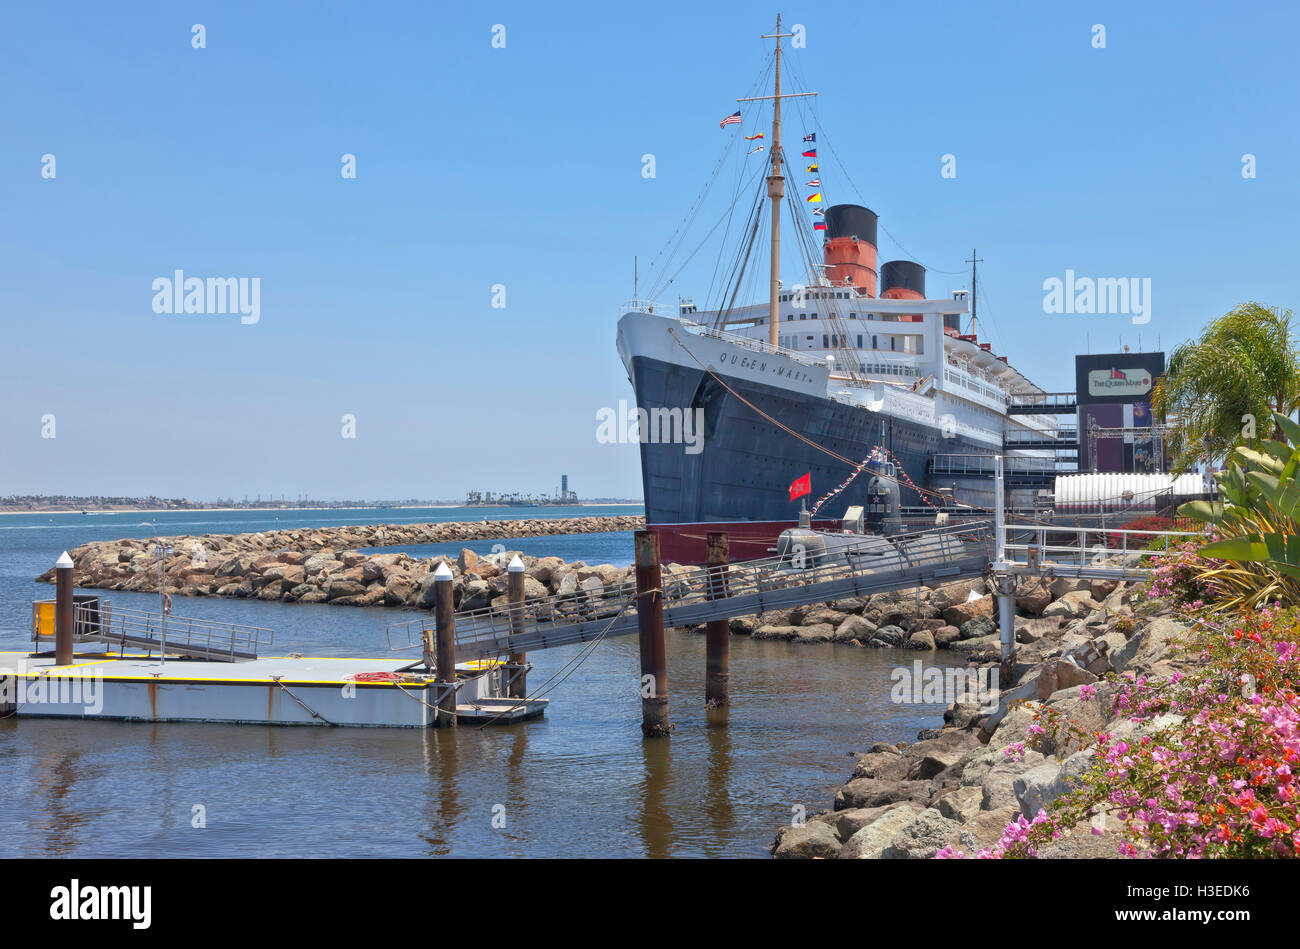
717, 662
444, 621
64, 608
650, 630
518, 660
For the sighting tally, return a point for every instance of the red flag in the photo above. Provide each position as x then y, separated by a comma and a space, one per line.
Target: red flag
801, 486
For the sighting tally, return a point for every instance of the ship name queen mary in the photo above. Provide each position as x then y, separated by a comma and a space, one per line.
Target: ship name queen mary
759, 364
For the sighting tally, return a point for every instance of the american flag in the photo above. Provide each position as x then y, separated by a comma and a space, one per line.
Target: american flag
733, 119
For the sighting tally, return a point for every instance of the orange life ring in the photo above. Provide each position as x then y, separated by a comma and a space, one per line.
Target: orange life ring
167, 604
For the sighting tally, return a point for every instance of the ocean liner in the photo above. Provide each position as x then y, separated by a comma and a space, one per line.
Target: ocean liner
853, 370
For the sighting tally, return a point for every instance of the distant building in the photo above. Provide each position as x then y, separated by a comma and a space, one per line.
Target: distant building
1114, 393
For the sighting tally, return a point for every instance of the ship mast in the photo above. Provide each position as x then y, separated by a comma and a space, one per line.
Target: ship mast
974, 259
776, 189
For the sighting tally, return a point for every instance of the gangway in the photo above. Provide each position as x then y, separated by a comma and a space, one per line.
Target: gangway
1043, 403
697, 595
97, 621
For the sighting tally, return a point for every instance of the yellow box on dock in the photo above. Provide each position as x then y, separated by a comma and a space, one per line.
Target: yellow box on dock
43, 620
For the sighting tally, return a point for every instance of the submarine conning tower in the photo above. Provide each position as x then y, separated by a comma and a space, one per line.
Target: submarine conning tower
850, 249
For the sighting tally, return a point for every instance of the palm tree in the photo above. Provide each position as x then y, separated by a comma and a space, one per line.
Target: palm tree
1244, 368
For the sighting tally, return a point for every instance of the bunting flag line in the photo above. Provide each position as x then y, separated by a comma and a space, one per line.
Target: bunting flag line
815, 198
815, 183
733, 119
812, 169
820, 211
810, 137
878, 453
811, 153
758, 149
819, 225
750, 138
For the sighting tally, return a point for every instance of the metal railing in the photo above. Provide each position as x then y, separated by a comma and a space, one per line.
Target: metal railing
1090, 548
753, 586
98, 621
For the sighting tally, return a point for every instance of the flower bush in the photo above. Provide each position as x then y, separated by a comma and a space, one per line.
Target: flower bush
1207, 768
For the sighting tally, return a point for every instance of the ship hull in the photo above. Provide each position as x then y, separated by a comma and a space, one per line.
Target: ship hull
736, 477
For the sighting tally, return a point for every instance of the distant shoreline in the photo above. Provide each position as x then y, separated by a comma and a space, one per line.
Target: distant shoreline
276, 510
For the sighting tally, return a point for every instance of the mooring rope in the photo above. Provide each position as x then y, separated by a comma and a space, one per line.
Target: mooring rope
312, 711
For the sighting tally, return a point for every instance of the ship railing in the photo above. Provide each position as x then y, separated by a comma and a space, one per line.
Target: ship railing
490, 630
753, 345
653, 307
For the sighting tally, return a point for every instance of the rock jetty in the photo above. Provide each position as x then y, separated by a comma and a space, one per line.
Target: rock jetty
328, 565
961, 784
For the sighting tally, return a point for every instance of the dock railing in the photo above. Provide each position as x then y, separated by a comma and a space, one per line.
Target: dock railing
96, 620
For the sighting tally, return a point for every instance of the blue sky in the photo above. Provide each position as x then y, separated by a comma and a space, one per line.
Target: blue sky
522, 166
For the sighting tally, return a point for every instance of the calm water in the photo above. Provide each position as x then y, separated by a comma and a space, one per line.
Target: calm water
581, 782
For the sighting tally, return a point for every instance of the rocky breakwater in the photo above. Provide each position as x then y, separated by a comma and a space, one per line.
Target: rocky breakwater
960, 785
325, 565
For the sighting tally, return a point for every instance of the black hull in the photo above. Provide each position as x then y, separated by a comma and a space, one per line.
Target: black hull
747, 463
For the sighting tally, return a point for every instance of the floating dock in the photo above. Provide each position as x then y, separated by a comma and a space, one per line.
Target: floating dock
129, 665
275, 690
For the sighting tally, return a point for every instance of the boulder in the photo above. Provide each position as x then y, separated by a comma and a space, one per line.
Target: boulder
1031, 631
998, 787
960, 613
868, 842
811, 840
398, 590
1144, 649
984, 830
816, 633
847, 823
1072, 605
1032, 596
887, 636
945, 636
873, 792
1100, 589
322, 562
961, 805
336, 588
1058, 674
922, 838
1038, 787
854, 627
951, 594
775, 632
467, 560
825, 615
921, 639
1063, 585
977, 627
